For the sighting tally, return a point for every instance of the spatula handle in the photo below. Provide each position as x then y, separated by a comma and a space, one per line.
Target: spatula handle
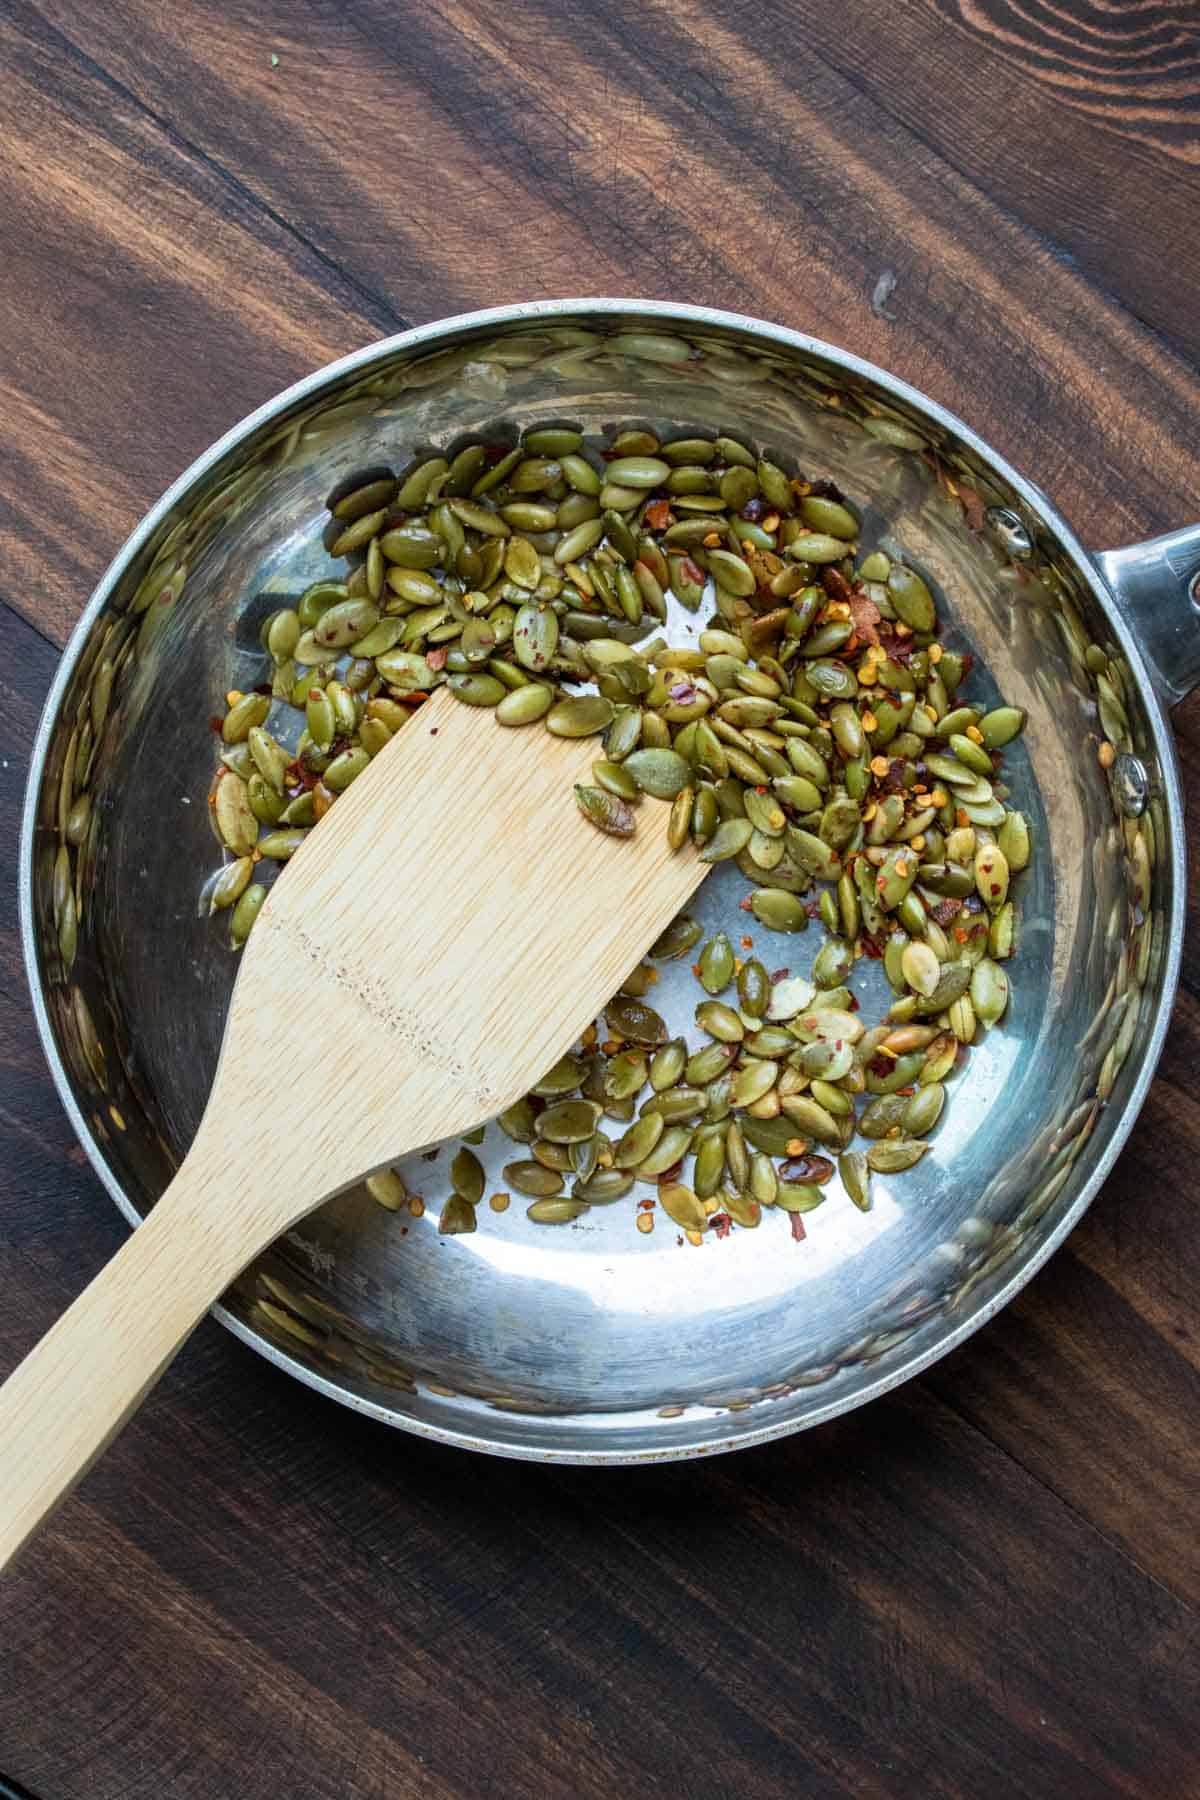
74, 1391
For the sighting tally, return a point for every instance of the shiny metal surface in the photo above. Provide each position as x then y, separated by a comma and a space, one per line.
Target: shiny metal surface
594, 1342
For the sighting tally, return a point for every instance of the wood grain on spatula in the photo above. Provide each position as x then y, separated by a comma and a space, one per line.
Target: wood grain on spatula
424, 958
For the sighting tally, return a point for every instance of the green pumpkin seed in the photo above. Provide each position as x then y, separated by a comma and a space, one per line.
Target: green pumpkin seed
671, 1148
606, 811
279, 846
234, 816
895, 1154
477, 690
810, 1119
584, 716
777, 910
555, 1211
603, 1187
855, 1172
524, 705
682, 1206
716, 964
829, 517
798, 1196
730, 837
989, 991
720, 1021
662, 773
680, 936
922, 1110
230, 884
532, 1178
911, 598
1001, 726
245, 912
467, 1177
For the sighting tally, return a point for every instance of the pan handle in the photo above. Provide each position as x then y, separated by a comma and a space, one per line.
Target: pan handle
1156, 585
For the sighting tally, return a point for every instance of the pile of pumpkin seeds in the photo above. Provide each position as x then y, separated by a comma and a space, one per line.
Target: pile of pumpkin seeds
813, 732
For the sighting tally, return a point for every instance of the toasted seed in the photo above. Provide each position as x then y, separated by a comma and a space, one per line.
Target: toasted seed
583, 716
811, 1119
606, 811
989, 991
682, 1206
778, 911
920, 968
457, 1217
477, 690
991, 876
855, 1172
730, 837
922, 1110
280, 845
798, 1196
556, 1211
720, 1021
1001, 726
467, 1177
568, 1121
635, 1021
680, 936
532, 1178
233, 815
911, 598
892, 1155
637, 1143
716, 964
247, 909
525, 704
671, 1148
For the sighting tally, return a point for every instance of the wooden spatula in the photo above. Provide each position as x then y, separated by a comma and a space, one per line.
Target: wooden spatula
424, 958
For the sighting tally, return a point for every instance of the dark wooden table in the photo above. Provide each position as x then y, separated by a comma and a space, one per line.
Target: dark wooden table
986, 1585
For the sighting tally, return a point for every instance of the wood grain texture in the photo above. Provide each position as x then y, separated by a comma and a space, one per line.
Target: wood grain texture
986, 1584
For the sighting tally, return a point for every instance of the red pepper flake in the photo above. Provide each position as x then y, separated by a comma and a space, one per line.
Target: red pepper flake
692, 571
747, 943
779, 974
945, 910
960, 936
437, 658
906, 1091
871, 947
881, 1066
646, 1205
658, 515
745, 905
813, 908
798, 1232
866, 616
720, 1223
494, 452
215, 723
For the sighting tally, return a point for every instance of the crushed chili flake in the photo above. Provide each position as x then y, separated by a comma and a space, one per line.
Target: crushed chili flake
747, 943
692, 571
866, 616
945, 910
798, 1232
721, 1224
871, 947
437, 658
835, 583
658, 515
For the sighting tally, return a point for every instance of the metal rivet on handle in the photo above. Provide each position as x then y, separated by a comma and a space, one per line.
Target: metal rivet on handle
1130, 785
1010, 528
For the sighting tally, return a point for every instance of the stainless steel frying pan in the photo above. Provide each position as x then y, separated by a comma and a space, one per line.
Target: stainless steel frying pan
594, 1343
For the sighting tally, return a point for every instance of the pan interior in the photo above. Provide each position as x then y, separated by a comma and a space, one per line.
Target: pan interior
596, 1339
